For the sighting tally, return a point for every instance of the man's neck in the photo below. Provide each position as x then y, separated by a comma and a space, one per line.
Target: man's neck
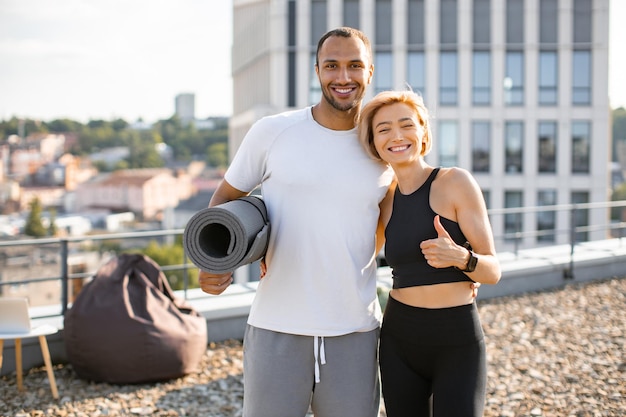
334, 119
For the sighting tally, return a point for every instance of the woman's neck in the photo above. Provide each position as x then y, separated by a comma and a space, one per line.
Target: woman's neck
412, 175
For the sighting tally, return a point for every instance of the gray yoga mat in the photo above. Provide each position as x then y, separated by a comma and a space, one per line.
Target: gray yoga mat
224, 237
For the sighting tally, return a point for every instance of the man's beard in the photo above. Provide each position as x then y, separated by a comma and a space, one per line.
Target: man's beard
342, 106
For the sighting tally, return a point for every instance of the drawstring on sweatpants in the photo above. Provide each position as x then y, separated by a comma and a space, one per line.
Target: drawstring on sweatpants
319, 354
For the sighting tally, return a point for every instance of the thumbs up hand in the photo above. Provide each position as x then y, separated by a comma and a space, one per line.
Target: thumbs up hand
441, 252
441, 231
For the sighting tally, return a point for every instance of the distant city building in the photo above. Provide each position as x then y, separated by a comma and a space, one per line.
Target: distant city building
110, 156
518, 90
186, 107
27, 155
145, 192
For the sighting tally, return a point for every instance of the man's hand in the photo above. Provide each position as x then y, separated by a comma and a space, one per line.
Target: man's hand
214, 283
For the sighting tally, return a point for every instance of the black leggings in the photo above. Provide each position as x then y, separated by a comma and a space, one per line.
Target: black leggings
438, 352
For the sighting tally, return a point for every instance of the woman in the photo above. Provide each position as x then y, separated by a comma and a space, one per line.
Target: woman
438, 238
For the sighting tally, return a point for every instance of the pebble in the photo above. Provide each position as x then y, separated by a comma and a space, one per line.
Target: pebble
556, 353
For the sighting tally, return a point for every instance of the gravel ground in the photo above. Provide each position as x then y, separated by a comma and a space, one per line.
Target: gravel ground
557, 353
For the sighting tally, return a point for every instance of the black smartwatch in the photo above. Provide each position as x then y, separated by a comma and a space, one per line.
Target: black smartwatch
471, 262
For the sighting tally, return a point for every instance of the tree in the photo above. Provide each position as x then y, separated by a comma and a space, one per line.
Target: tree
173, 254
619, 194
52, 227
34, 226
143, 151
63, 125
218, 155
619, 129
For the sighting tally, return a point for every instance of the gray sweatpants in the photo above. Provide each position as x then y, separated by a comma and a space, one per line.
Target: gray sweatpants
280, 374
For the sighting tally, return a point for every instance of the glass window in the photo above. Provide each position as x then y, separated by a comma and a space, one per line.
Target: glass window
481, 22
415, 24
581, 139
514, 78
481, 146
582, 22
351, 13
448, 88
315, 90
581, 77
291, 54
512, 221
448, 143
291, 23
383, 75
447, 22
318, 20
515, 22
548, 22
383, 22
580, 215
481, 78
415, 72
291, 79
487, 198
546, 220
547, 146
548, 75
513, 147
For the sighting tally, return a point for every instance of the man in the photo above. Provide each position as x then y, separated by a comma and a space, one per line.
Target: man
313, 328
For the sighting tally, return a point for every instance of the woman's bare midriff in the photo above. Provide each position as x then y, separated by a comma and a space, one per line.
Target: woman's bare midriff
435, 296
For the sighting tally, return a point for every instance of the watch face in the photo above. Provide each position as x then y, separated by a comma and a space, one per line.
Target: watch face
471, 263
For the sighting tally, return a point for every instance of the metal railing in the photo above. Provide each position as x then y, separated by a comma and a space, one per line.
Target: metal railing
63, 248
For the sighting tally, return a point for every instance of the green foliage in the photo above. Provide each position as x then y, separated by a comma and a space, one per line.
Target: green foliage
165, 255
23, 127
186, 142
143, 153
114, 246
52, 227
34, 226
619, 129
63, 125
619, 194
383, 296
218, 155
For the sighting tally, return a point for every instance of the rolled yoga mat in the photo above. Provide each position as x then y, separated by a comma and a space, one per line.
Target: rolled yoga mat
224, 237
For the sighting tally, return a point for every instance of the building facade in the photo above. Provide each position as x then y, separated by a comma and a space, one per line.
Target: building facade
518, 90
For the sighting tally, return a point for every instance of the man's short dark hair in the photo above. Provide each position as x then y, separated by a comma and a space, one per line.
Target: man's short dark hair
345, 32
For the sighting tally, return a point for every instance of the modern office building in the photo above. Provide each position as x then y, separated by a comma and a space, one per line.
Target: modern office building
518, 90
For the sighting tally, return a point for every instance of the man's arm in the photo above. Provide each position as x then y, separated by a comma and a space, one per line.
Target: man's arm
216, 283
225, 193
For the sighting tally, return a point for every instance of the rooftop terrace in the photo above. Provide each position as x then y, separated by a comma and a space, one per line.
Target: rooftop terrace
555, 328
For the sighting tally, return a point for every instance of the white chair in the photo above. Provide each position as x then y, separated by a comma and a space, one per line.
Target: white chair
15, 325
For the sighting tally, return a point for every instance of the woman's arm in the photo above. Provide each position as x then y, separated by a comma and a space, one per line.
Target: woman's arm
457, 196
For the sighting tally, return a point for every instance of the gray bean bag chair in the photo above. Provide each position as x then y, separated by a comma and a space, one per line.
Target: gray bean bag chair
127, 327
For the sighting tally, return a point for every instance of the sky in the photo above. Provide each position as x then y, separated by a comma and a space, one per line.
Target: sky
109, 59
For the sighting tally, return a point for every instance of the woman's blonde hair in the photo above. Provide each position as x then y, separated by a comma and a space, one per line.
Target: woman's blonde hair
385, 98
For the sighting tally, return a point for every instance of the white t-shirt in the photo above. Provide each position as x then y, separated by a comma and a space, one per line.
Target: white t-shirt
322, 193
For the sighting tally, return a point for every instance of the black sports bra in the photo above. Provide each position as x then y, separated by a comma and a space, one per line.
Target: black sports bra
411, 223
